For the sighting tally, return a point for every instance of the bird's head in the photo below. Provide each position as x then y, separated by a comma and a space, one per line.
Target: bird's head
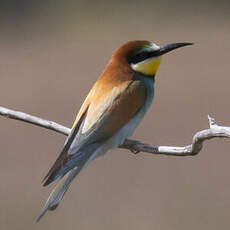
144, 56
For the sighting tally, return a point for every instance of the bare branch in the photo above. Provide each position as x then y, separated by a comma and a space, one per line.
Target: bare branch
133, 145
16, 115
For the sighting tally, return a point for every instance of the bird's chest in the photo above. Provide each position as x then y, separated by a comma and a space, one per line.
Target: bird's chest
134, 122
129, 128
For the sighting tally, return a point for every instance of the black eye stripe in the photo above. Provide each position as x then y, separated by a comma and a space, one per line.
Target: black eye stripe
142, 56
135, 58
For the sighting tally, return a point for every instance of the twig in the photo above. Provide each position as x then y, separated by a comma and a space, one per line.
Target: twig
133, 145
16, 115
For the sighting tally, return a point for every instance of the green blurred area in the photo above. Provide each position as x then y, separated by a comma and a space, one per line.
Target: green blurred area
51, 52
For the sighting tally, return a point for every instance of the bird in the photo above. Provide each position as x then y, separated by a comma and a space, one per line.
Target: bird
113, 109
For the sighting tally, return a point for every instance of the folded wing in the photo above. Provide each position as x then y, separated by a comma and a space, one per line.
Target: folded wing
103, 113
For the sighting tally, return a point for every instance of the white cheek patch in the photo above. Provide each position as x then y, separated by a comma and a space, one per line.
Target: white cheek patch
155, 47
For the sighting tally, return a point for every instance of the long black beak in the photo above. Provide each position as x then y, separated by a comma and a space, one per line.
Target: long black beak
167, 48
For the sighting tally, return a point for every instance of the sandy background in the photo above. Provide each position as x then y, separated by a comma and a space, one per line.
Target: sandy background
50, 56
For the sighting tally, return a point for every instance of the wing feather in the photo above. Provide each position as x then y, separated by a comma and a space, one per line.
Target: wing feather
63, 157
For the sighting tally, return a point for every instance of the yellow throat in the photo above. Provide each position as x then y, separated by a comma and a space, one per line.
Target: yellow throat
148, 67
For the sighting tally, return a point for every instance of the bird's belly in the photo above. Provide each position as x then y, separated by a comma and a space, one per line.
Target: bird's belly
117, 139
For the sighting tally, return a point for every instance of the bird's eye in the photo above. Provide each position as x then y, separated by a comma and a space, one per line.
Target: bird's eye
139, 57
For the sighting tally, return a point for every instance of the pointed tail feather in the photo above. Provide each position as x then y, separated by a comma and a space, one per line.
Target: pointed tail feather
59, 191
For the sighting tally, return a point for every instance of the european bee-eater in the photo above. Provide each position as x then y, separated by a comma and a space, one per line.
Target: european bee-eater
110, 113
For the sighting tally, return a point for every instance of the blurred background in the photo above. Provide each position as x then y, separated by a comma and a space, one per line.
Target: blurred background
51, 53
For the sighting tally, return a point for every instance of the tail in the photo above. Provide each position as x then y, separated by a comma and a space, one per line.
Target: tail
63, 184
58, 192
